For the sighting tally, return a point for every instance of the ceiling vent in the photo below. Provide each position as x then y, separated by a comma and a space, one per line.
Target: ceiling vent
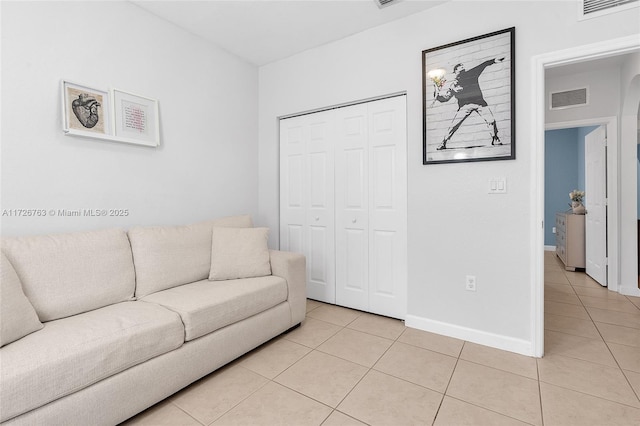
569, 98
383, 3
592, 8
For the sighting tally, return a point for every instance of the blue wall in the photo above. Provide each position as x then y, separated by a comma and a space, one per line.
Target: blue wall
563, 172
560, 175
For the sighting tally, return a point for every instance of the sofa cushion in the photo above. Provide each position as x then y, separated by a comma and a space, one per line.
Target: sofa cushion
72, 353
167, 256
239, 253
67, 274
17, 316
206, 306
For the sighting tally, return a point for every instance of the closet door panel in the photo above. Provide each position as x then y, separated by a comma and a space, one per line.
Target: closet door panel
307, 198
294, 239
292, 166
383, 263
388, 207
317, 257
343, 203
352, 238
319, 188
384, 176
354, 178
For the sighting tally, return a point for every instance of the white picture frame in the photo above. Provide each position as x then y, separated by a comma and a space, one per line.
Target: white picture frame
86, 111
135, 118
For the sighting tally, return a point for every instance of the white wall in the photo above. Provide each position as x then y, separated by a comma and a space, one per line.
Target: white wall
207, 163
604, 95
630, 104
455, 227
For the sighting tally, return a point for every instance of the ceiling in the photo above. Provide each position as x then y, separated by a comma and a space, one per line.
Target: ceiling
264, 31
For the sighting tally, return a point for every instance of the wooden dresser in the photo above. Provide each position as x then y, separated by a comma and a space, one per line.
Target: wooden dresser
570, 242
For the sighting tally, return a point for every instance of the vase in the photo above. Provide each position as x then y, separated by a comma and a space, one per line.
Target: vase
578, 207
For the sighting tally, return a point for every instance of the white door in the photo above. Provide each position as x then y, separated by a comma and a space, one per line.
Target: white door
388, 207
343, 203
307, 198
371, 207
292, 203
595, 202
352, 205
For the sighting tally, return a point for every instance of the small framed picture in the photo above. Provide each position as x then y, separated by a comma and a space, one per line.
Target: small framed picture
136, 118
85, 110
468, 100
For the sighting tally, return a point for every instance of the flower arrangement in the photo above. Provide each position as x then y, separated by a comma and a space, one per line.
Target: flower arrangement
576, 195
439, 81
437, 76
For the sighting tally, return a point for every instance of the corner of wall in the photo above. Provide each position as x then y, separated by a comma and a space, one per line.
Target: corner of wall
511, 344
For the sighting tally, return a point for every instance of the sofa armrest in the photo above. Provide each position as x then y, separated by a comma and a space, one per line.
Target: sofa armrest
292, 267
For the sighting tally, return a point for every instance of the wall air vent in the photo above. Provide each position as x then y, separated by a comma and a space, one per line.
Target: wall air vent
569, 98
592, 8
383, 3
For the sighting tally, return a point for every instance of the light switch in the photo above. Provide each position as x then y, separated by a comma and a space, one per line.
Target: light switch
498, 185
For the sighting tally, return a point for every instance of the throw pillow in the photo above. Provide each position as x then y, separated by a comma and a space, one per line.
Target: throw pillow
239, 253
17, 316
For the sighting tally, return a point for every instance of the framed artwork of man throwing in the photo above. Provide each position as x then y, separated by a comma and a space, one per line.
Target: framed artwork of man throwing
468, 100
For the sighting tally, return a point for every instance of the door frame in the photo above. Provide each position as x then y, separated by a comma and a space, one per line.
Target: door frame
539, 63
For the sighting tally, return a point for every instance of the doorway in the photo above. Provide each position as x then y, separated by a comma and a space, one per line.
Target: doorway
618, 208
575, 158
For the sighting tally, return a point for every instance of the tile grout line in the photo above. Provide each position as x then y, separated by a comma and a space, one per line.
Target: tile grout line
540, 392
610, 352
369, 369
464, 342
458, 358
601, 398
185, 412
303, 357
342, 327
606, 345
490, 410
243, 399
272, 380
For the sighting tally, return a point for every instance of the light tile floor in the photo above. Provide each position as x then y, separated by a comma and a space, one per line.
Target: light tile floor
345, 367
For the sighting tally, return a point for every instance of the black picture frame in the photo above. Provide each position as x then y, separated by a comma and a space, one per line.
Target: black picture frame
468, 100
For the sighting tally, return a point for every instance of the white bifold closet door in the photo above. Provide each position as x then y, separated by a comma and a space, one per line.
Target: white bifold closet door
359, 248
307, 198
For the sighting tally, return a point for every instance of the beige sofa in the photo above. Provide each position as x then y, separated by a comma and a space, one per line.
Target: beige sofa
97, 326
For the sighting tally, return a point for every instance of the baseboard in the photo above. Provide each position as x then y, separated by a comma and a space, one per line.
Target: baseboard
497, 341
629, 291
549, 248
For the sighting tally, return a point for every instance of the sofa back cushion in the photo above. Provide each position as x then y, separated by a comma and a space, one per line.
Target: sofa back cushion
168, 256
239, 253
67, 274
17, 316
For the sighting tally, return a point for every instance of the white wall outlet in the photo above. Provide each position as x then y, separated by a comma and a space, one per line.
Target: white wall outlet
470, 283
553, 230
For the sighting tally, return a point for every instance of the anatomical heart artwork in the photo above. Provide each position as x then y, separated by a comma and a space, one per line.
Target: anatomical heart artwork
86, 109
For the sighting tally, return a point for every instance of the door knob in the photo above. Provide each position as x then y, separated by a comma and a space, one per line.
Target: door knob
354, 220
317, 218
